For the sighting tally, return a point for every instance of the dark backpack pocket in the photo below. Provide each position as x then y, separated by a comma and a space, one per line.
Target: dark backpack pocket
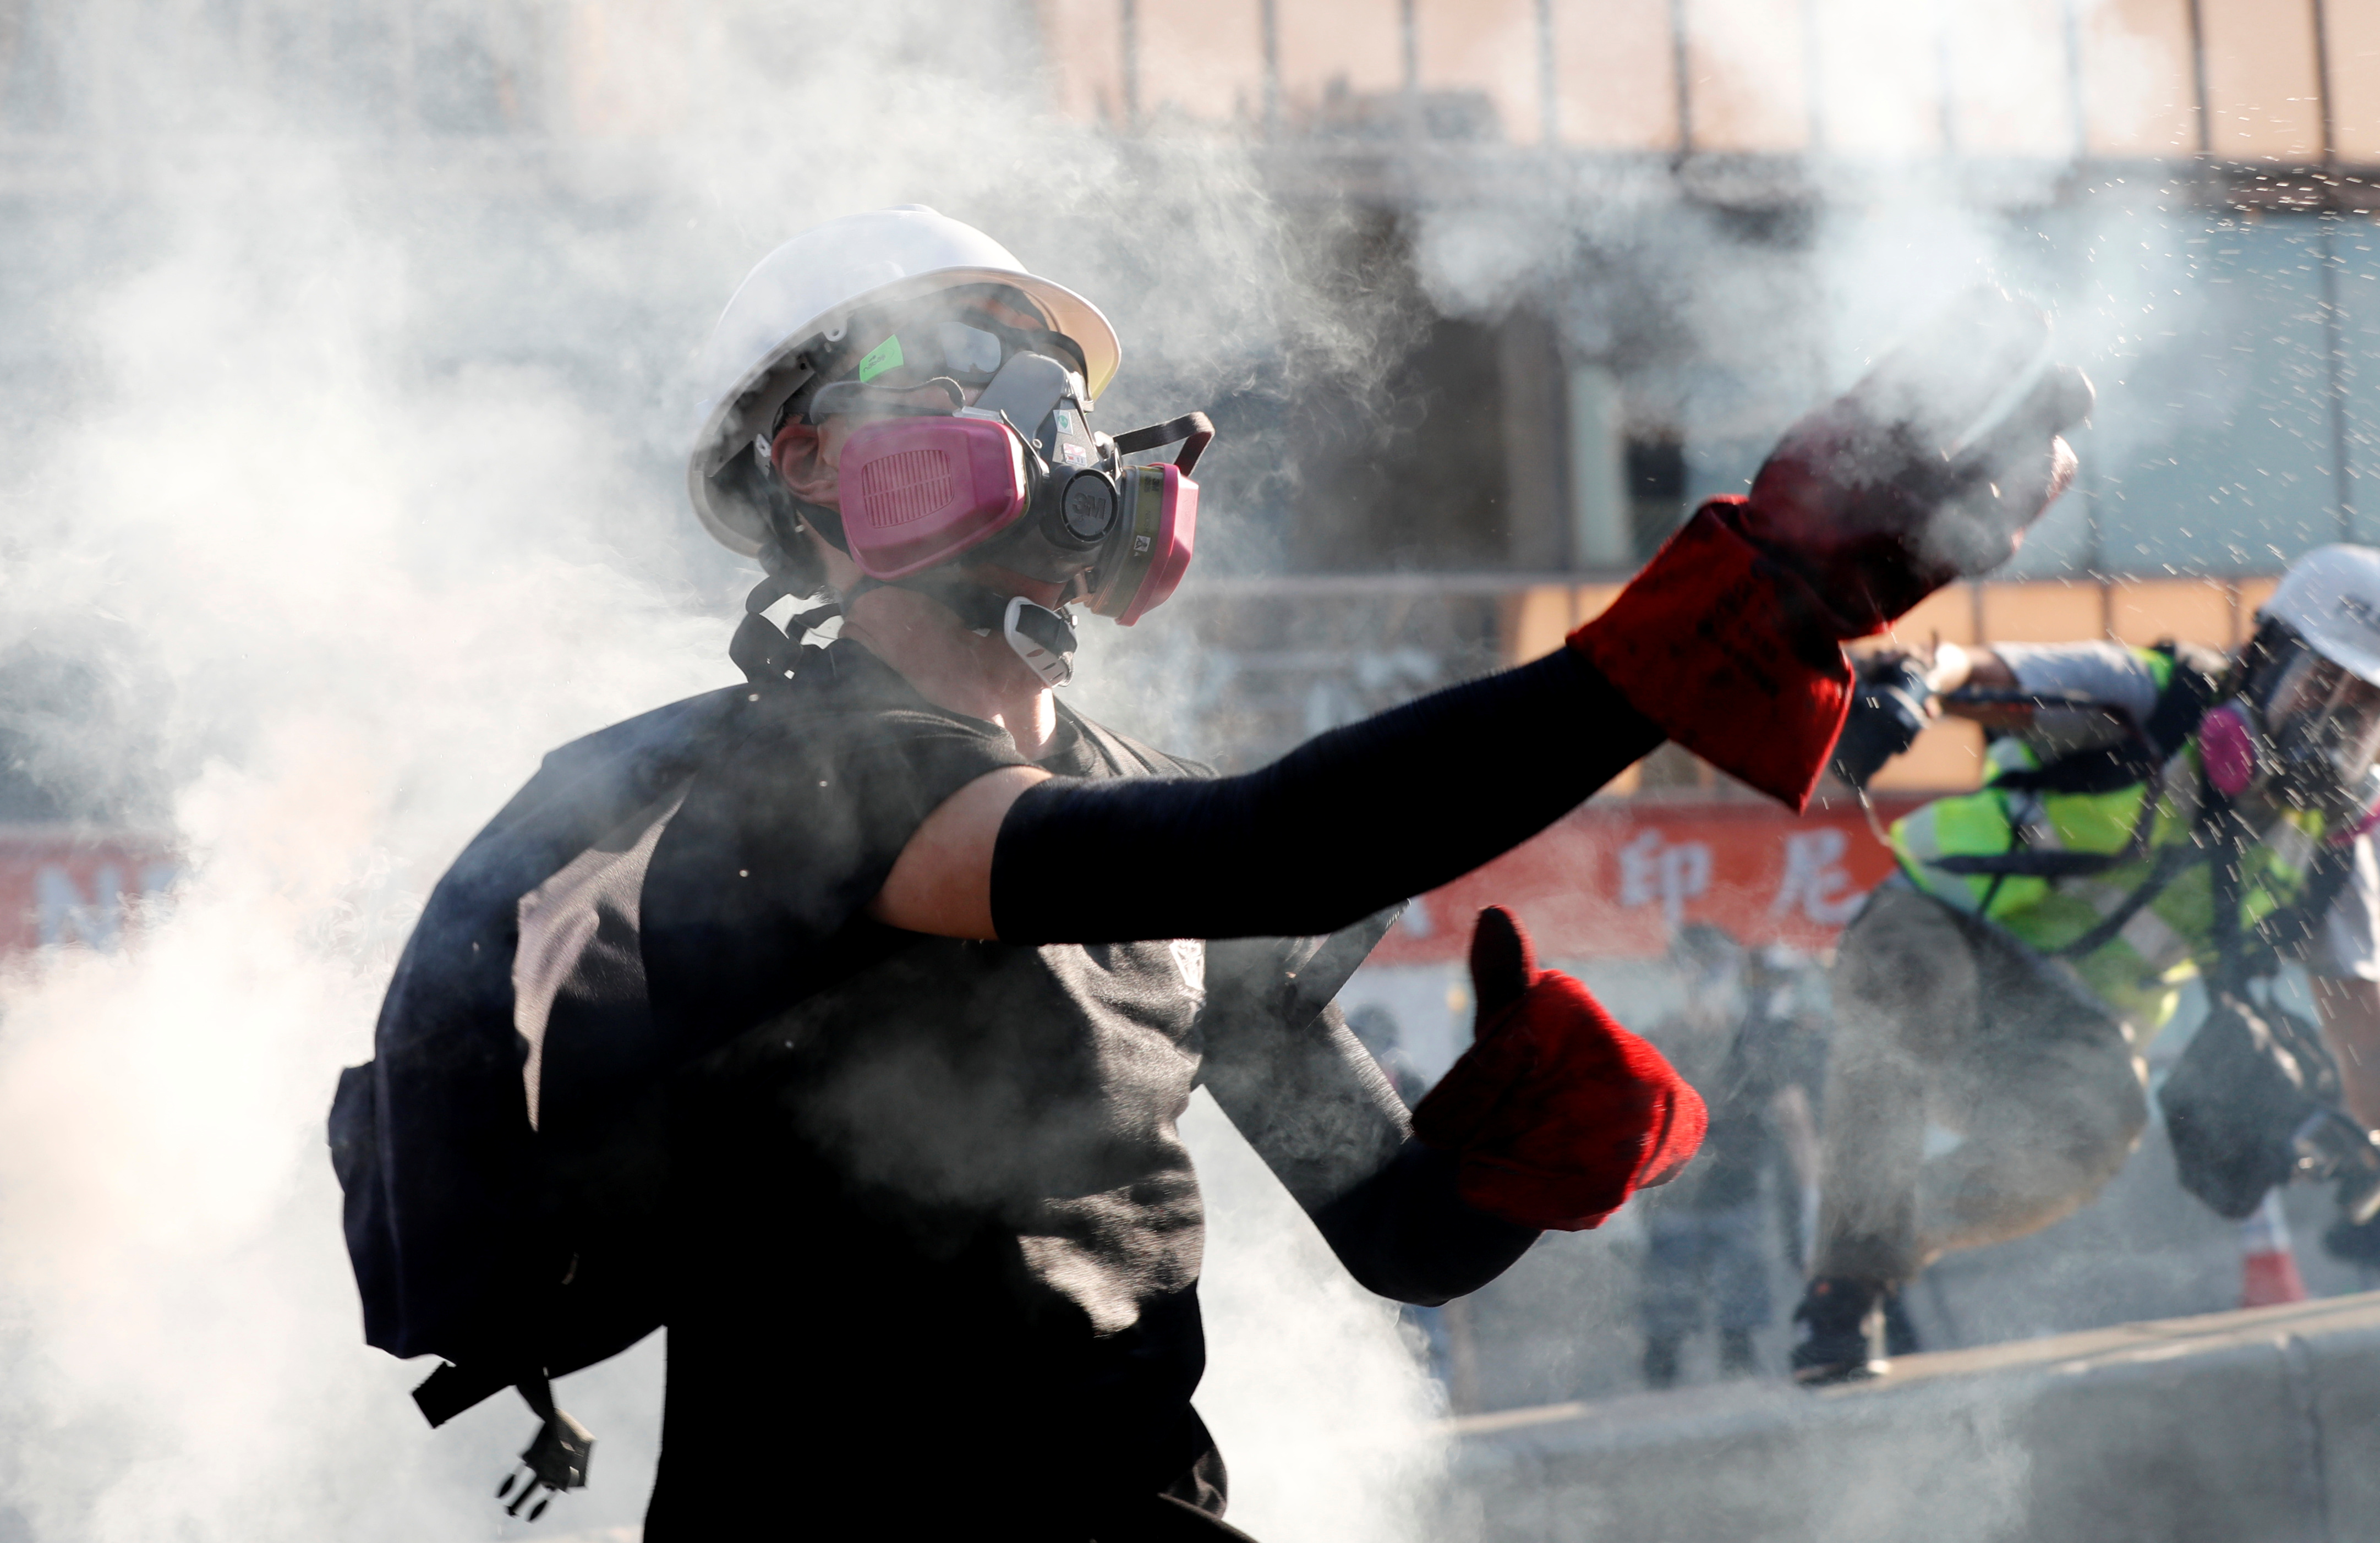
354, 1156
2250, 1078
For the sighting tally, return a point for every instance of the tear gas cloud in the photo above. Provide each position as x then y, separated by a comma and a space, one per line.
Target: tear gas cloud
360, 492
350, 477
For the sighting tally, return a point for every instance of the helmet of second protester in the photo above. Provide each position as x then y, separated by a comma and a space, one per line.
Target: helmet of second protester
2309, 719
2330, 598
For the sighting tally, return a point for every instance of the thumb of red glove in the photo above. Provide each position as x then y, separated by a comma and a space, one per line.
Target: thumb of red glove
1556, 1115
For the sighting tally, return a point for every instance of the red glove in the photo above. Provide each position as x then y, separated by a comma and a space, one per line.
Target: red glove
1556, 1115
1930, 469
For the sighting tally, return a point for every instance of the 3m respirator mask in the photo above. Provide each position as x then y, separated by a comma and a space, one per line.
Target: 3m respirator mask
1017, 479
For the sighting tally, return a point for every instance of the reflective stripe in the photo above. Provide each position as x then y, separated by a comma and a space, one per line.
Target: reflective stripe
2030, 812
2292, 849
2154, 940
2008, 754
2167, 940
2160, 947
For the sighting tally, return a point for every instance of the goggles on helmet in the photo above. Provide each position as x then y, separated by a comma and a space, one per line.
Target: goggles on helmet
963, 337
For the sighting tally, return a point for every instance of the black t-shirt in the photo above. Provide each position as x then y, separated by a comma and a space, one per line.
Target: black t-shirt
929, 1211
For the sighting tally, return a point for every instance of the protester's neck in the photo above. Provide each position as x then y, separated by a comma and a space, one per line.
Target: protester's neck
955, 668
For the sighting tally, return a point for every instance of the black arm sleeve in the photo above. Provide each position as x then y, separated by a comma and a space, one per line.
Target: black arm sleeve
1406, 1234
1350, 822
1284, 1067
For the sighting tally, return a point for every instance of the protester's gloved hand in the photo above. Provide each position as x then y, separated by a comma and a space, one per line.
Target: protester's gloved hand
1556, 1115
1931, 467
1888, 711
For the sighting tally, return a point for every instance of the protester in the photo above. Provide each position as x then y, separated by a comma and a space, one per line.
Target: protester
1749, 1045
1377, 1030
2147, 815
922, 965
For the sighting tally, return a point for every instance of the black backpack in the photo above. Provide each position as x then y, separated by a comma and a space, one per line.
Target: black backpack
472, 1238
2257, 1083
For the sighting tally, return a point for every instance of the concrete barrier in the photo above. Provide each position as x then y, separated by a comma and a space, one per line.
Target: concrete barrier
2257, 1427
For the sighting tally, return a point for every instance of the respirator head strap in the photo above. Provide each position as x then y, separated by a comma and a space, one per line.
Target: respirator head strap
977, 608
767, 654
1192, 431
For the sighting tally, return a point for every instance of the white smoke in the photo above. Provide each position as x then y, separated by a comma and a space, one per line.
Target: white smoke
358, 488
355, 565
365, 599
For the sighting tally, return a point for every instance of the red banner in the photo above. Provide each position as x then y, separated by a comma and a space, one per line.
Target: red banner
1612, 880
64, 885
1615, 880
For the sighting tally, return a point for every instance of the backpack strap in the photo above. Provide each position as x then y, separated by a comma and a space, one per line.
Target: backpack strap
454, 1388
555, 1459
2169, 865
2018, 861
2289, 932
2195, 681
2224, 833
766, 654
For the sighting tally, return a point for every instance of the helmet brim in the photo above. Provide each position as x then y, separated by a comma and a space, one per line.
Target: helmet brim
2330, 598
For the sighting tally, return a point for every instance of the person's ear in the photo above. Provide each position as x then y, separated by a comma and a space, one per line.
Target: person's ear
800, 455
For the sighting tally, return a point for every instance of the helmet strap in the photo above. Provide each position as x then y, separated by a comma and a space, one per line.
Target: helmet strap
765, 652
827, 522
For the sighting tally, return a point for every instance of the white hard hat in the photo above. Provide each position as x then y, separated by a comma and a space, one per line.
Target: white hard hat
2330, 597
805, 292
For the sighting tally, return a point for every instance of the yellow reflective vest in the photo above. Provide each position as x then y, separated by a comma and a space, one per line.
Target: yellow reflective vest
2138, 972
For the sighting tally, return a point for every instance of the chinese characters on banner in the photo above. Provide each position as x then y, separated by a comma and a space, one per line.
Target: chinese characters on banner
1616, 880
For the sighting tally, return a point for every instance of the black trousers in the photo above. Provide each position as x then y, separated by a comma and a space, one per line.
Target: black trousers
919, 1504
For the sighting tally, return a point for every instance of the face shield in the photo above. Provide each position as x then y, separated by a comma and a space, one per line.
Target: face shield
2325, 727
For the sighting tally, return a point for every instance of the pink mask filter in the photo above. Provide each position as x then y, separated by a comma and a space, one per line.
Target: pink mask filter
919, 491
2227, 745
1145, 558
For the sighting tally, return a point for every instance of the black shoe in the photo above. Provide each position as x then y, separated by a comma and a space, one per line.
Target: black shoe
1899, 1334
1661, 1360
1736, 1356
1835, 1346
2344, 1240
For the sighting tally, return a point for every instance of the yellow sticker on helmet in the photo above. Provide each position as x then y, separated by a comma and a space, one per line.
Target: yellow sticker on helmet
884, 355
